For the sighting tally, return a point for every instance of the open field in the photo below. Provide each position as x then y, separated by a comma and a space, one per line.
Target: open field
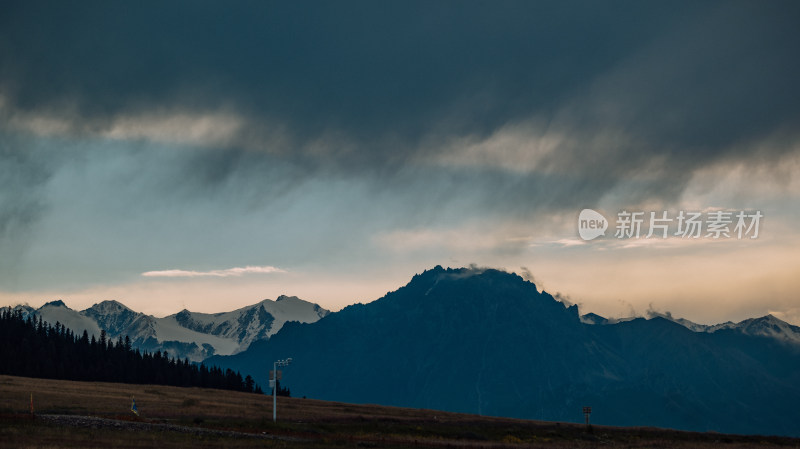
82, 414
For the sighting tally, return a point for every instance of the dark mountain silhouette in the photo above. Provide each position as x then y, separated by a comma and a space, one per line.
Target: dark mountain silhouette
487, 342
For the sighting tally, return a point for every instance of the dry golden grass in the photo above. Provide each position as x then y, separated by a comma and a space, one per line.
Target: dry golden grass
302, 422
101, 398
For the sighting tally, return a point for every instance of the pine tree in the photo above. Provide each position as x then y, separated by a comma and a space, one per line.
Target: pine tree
31, 347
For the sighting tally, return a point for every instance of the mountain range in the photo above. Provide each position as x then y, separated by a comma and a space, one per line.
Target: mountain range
186, 334
766, 326
488, 342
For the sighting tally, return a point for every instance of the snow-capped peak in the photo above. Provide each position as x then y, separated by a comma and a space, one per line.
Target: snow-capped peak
248, 324
770, 326
57, 312
185, 334
766, 326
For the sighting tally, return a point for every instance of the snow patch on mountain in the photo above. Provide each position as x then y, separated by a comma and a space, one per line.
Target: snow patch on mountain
186, 334
251, 323
168, 329
57, 312
772, 327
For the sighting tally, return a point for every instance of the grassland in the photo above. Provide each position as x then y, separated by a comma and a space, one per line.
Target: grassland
171, 417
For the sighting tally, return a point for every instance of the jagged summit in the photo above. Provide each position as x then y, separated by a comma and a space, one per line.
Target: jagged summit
593, 318
438, 274
772, 327
768, 318
56, 303
476, 287
109, 306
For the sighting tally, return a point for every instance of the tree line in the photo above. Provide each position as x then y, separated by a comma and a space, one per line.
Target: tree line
32, 347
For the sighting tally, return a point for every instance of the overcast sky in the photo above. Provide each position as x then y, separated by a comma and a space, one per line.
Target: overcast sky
209, 155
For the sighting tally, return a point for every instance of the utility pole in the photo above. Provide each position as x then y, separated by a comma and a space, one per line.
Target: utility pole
274, 376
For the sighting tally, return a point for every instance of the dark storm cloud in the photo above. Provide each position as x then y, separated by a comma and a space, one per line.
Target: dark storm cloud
367, 67
654, 90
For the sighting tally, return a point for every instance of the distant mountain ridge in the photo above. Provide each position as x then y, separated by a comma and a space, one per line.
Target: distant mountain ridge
488, 342
185, 334
766, 326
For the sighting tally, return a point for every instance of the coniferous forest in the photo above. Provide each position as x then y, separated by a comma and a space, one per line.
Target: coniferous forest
31, 347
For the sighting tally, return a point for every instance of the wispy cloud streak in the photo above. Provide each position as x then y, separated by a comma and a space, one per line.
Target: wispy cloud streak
236, 271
